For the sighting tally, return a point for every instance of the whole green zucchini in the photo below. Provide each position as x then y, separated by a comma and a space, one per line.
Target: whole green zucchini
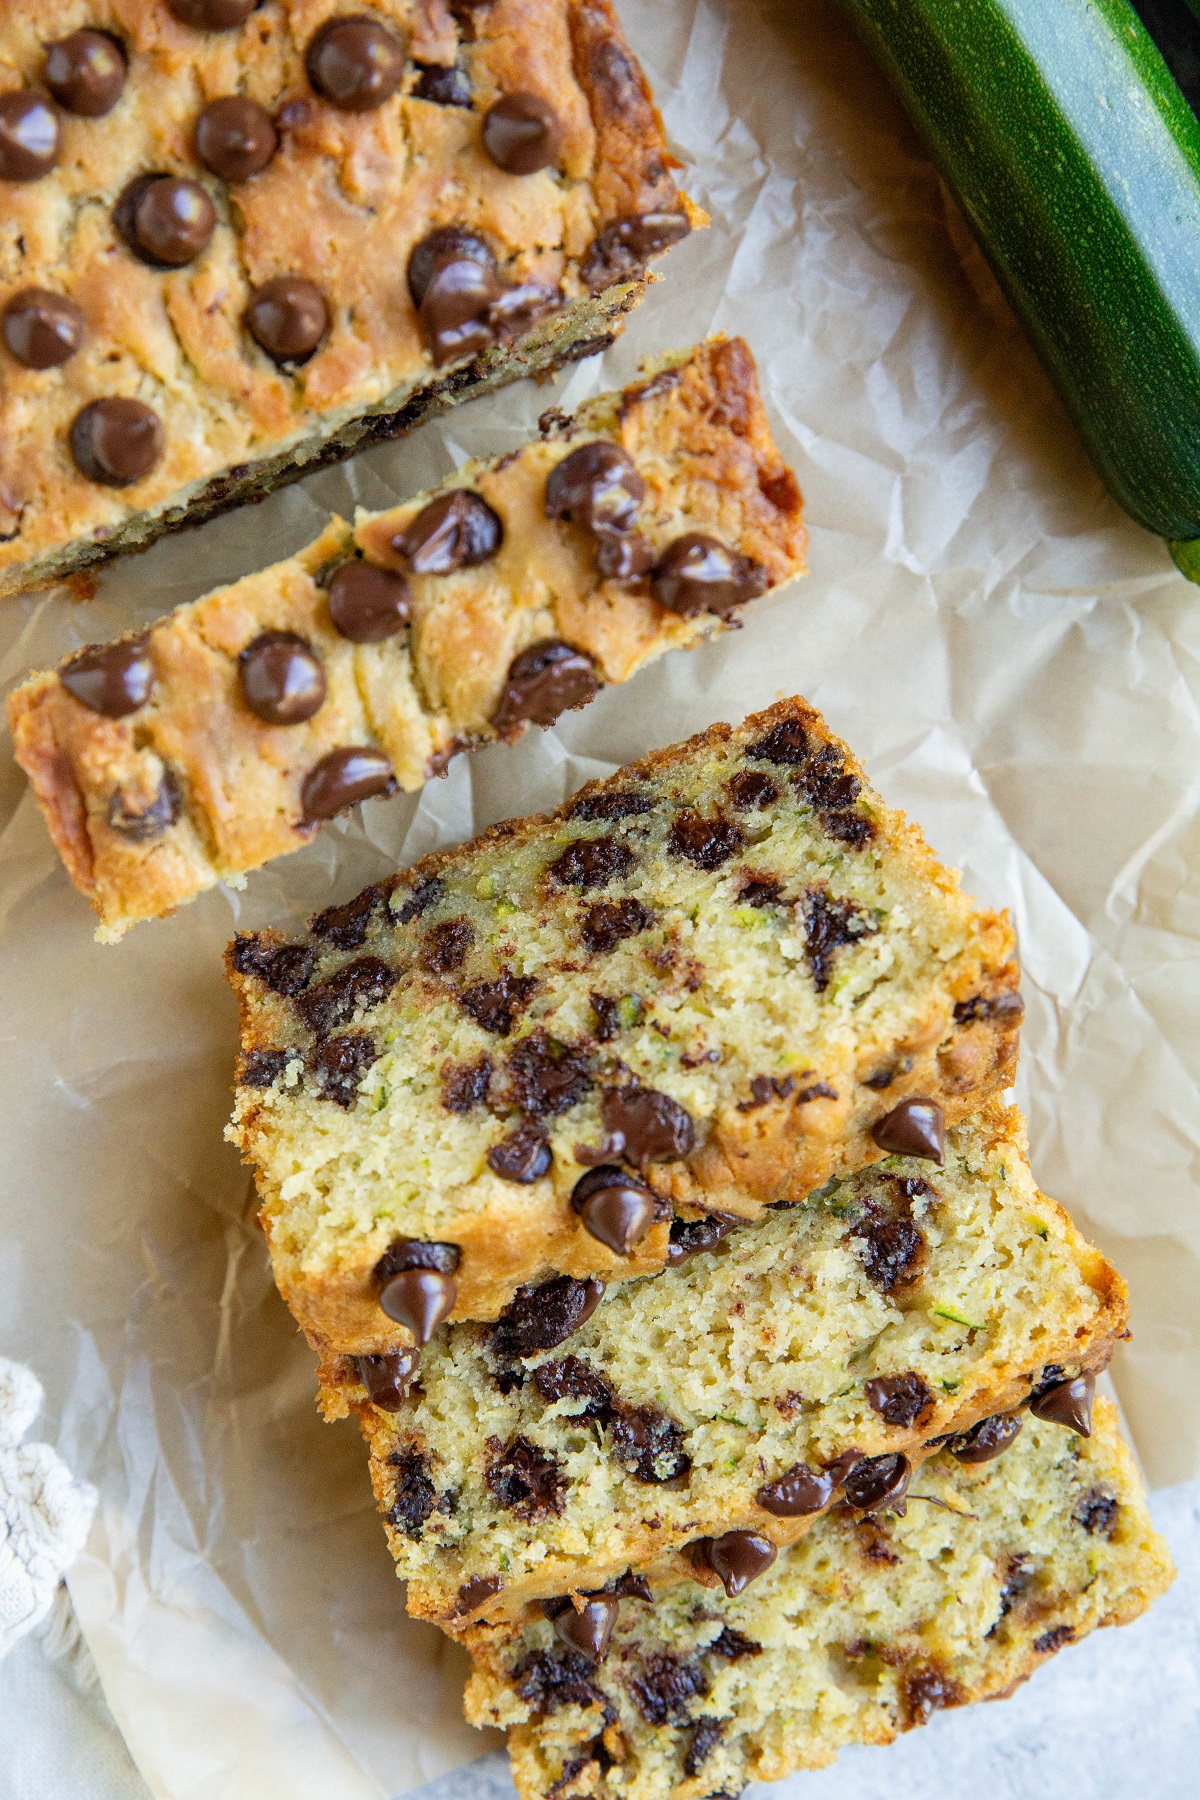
1076, 161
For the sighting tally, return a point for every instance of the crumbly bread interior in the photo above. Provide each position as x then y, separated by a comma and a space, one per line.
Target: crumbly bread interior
862, 1630
661, 1418
787, 971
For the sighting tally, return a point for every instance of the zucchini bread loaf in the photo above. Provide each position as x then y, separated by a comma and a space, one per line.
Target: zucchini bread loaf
811, 1354
865, 1629
705, 985
242, 238
224, 736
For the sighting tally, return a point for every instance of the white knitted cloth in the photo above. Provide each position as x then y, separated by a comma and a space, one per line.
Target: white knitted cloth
44, 1512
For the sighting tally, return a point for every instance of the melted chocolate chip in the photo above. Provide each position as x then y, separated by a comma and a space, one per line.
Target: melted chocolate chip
1067, 1403
915, 1127
989, 1438
547, 1078
590, 1629
902, 1400
515, 309
649, 1444
620, 252
523, 1155
110, 679
1007, 1007
456, 531
1097, 1513
690, 1236
86, 72
797, 1493
473, 1593
539, 1318
419, 1299
30, 139
596, 487
893, 1252
165, 220
706, 843
648, 1126
624, 556
455, 313
666, 1687
785, 744
733, 1645
611, 921
341, 1063
355, 64
494, 1005
522, 134
287, 317
575, 1379
116, 441
426, 893
465, 1085
212, 15
759, 890
765, 1088
358, 986
706, 1734
546, 1682
42, 329
545, 680
261, 1068
604, 804
696, 574
387, 1378
525, 1480
751, 791
141, 820
414, 1498
449, 243
1054, 1639
926, 1691
878, 1482
828, 925
591, 862
738, 1557
616, 1209
346, 925
235, 137
282, 678
341, 779
441, 85
828, 783
447, 946
285, 970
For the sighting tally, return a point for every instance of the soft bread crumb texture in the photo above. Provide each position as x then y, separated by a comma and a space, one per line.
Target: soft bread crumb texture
748, 1359
343, 201
787, 975
857, 1633
696, 430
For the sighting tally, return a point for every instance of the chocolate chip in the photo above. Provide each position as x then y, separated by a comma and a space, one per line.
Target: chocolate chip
611, 921
797, 1493
546, 1077
261, 1068
42, 329
650, 1126
1067, 1403
590, 1630
341, 1063
648, 1444
524, 1155
287, 317
697, 574
706, 1734
733, 1645
454, 310
765, 1088
828, 925
893, 1252
282, 678
926, 1691
443, 86
989, 1438
133, 816
473, 1593
419, 1299
751, 791
235, 137
427, 892
739, 1557
596, 487
539, 1318
666, 1687
902, 1400
116, 441
878, 1482
447, 946
916, 1127
616, 1209
1054, 1639
690, 1236
760, 890
706, 843
591, 862
346, 925
1020, 1573
341, 779
110, 679
623, 557
355, 64
212, 15
165, 220
1097, 1513
86, 72
361, 984
30, 139
387, 1378
785, 744
545, 680
465, 1085
285, 970
494, 1005
414, 1498
604, 804
456, 531
449, 243
524, 1479
522, 134
620, 252
416, 1253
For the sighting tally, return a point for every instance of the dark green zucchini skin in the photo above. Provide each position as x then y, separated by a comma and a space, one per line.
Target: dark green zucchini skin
1076, 162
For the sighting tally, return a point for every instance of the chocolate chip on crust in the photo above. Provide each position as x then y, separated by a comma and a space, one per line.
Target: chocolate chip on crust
902, 1400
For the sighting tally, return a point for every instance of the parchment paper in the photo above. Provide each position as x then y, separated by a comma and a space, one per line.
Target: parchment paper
1018, 665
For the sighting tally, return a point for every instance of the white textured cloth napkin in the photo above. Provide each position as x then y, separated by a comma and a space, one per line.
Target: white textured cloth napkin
44, 1512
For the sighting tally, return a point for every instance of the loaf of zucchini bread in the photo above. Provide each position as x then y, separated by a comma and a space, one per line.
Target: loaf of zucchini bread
242, 238
864, 1629
167, 762
706, 985
810, 1355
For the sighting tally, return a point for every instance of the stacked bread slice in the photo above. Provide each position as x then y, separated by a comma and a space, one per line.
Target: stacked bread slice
642, 1175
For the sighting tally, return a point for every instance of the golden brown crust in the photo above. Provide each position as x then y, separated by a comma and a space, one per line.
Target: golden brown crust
346, 194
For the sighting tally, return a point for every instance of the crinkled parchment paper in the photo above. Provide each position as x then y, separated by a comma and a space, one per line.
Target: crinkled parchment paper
1018, 665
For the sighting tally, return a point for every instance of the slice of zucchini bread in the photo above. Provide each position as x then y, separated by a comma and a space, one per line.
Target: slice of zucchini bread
814, 1353
242, 238
705, 985
863, 1630
224, 736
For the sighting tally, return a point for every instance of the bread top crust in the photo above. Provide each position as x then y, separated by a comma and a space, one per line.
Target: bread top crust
342, 201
